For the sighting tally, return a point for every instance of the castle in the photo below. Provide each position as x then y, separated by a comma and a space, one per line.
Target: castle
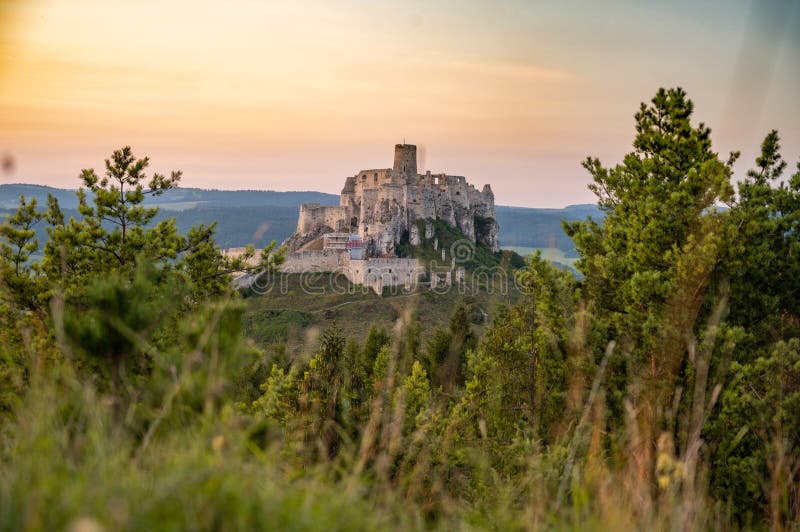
378, 207
381, 204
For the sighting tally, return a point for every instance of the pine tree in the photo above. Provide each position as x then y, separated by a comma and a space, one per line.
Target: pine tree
660, 205
17, 242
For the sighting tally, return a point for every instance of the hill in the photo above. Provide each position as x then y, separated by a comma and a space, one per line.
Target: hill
292, 311
540, 228
177, 199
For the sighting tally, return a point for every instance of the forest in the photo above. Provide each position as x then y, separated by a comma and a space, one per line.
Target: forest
658, 390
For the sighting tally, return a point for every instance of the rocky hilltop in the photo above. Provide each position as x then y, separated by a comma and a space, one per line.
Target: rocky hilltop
384, 204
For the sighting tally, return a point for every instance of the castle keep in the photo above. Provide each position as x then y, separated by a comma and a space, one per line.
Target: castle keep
359, 237
381, 204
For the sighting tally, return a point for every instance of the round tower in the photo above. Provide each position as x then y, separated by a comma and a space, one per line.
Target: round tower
405, 159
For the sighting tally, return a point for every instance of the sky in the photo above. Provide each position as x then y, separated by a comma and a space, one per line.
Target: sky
298, 95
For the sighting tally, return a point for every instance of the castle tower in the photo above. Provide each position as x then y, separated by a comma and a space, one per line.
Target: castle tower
405, 159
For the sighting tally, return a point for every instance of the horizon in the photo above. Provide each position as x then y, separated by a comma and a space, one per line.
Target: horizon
296, 191
270, 95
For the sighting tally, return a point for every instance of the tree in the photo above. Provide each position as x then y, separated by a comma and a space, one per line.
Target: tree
20, 236
757, 436
762, 260
416, 392
322, 383
17, 242
755, 426
115, 233
661, 206
446, 351
113, 325
376, 338
517, 377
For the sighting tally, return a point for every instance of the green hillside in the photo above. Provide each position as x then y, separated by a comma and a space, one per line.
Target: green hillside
292, 312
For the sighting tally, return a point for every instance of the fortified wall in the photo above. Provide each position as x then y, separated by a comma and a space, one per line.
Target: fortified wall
382, 204
375, 273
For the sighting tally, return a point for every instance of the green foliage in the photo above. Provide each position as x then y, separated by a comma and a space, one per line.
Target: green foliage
663, 260
131, 397
269, 325
757, 428
19, 237
446, 351
17, 242
376, 339
113, 231
116, 320
518, 376
280, 397
654, 202
380, 369
417, 391
761, 262
74, 464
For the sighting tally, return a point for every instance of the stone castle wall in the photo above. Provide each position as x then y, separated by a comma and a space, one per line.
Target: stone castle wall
326, 260
313, 216
380, 273
375, 273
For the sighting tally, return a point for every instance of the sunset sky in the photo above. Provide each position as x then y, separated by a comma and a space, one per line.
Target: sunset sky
299, 95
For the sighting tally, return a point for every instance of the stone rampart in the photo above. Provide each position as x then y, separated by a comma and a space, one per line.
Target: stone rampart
313, 215
380, 273
326, 260
373, 273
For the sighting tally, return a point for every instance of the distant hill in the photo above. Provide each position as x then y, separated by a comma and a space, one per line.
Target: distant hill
260, 216
9, 195
540, 228
176, 199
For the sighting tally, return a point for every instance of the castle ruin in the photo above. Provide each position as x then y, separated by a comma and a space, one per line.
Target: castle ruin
382, 204
378, 207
